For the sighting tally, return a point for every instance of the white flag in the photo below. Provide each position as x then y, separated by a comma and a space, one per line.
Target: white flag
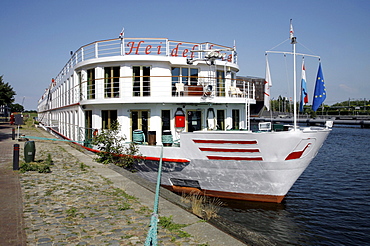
268, 84
291, 32
122, 33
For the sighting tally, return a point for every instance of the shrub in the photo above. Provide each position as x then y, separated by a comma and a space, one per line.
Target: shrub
113, 148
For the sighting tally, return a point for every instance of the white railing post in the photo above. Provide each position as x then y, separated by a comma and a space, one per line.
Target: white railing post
96, 50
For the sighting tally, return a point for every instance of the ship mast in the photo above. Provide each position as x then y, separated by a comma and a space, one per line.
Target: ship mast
293, 41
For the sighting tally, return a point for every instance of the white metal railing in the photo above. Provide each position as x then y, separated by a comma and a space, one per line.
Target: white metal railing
142, 46
157, 87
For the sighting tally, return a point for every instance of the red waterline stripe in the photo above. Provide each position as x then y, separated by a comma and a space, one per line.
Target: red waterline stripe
136, 157
165, 159
229, 150
225, 141
235, 158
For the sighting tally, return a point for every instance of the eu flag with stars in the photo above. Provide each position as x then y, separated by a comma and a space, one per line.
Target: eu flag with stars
320, 91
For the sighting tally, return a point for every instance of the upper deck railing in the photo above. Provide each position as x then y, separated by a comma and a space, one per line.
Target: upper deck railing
152, 88
142, 46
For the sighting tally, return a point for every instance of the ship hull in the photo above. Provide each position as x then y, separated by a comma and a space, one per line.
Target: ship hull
236, 165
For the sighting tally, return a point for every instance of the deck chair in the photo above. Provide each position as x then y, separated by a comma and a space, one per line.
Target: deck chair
179, 89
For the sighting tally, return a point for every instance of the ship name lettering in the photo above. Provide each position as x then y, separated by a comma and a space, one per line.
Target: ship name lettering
137, 48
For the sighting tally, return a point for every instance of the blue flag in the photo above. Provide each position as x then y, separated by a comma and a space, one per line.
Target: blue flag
320, 91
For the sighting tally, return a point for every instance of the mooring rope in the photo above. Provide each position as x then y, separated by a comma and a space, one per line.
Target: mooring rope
151, 239
50, 139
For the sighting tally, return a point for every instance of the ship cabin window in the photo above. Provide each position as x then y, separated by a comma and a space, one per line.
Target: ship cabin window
184, 76
141, 81
108, 118
166, 120
220, 90
233, 79
235, 119
88, 128
91, 84
79, 75
140, 121
221, 119
194, 122
111, 82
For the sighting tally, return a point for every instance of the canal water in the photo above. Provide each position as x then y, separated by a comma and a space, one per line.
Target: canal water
328, 205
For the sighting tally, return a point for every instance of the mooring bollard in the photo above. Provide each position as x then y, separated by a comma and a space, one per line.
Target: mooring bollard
13, 133
16, 157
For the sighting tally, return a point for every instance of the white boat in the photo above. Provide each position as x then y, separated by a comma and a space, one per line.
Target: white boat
185, 96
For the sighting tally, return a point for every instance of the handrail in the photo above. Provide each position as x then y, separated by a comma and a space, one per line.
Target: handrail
93, 50
165, 86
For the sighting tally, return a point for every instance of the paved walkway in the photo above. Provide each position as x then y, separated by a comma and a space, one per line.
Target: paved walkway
11, 219
85, 203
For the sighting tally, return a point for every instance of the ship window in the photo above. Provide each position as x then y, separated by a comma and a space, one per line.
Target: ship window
166, 120
194, 122
91, 84
111, 82
175, 79
140, 121
220, 83
80, 85
88, 128
108, 117
193, 76
141, 81
185, 75
221, 119
235, 119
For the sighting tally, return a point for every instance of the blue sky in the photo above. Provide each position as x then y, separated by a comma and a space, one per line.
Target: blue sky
38, 35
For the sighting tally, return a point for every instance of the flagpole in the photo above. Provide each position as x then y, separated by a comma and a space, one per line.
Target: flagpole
293, 42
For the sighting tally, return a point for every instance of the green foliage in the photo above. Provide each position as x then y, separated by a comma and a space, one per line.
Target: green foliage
39, 166
83, 166
6, 92
49, 161
113, 149
35, 166
16, 107
71, 213
124, 206
167, 223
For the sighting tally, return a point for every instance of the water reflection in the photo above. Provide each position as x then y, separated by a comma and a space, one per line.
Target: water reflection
262, 217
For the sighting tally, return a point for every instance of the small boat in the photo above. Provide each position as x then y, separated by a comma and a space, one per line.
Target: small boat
183, 97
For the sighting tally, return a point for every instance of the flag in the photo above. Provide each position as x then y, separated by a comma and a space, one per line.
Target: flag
304, 94
320, 91
122, 33
291, 31
268, 84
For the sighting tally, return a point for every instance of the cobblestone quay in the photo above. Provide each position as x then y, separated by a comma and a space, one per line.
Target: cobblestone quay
81, 202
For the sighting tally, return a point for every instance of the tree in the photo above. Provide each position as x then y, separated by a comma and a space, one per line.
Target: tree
6, 92
16, 107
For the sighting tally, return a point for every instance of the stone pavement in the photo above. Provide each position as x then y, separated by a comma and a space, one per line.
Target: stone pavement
85, 203
11, 208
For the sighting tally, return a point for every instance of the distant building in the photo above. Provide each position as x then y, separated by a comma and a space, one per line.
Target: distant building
4, 111
259, 93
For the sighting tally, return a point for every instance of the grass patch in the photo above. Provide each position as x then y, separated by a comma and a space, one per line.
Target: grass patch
202, 206
124, 206
167, 223
71, 213
40, 167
